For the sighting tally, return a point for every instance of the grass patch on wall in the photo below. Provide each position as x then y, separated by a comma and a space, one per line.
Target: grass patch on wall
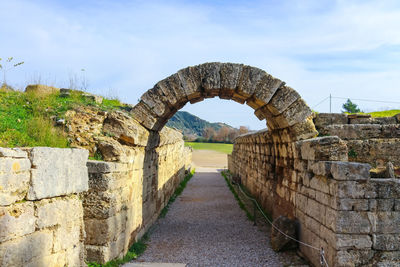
222, 148
177, 192
26, 118
241, 204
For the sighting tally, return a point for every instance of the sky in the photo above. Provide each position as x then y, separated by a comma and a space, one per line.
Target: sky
121, 48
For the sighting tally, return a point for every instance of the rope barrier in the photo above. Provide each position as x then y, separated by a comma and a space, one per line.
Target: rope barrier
321, 250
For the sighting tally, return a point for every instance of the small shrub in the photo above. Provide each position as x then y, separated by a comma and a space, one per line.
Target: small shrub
352, 153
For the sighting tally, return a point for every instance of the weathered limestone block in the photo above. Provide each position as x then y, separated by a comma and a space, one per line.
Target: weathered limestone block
324, 119
191, 82
143, 114
355, 131
170, 136
155, 102
353, 204
41, 89
64, 174
210, 78
296, 113
112, 150
99, 167
16, 220
283, 98
248, 81
229, 74
69, 236
354, 257
323, 148
21, 251
279, 242
58, 211
385, 222
266, 89
387, 188
102, 231
127, 130
303, 130
14, 177
12, 153
352, 222
386, 241
350, 171
353, 241
377, 152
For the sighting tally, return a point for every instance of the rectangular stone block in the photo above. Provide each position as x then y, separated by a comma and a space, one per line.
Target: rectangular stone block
21, 251
385, 222
16, 220
329, 148
12, 153
68, 236
353, 204
353, 241
58, 211
13, 187
350, 171
388, 242
352, 222
57, 172
101, 232
12, 166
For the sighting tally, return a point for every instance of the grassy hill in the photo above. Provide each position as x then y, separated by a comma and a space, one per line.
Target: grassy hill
192, 125
27, 119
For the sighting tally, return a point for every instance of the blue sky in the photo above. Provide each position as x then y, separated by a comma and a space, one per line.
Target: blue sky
344, 48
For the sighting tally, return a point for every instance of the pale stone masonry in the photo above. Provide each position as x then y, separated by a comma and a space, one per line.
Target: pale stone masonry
41, 213
371, 140
337, 205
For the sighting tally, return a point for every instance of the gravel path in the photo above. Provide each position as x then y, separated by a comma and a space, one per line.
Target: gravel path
206, 227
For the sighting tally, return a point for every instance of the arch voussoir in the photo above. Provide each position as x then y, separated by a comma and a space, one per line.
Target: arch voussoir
210, 78
191, 83
271, 99
282, 99
295, 113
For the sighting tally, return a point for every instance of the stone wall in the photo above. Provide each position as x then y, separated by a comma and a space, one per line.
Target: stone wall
125, 197
371, 140
336, 204
41, 213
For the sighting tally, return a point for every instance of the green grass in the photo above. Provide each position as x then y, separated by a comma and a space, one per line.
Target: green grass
223, 148
134, 252
25, 118
177, 192
386, 113
379, 114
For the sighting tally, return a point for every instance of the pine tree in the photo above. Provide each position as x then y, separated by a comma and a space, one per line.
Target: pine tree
350, 107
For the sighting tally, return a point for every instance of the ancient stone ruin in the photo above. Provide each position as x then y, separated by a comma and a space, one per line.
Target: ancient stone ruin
72, 210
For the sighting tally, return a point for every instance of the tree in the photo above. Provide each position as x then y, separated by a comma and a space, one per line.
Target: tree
6, 66
350, 107
209, 133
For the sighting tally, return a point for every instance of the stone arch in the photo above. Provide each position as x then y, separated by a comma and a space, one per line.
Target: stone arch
270, 97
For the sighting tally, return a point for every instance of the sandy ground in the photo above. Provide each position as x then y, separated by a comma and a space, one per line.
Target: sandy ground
209, 158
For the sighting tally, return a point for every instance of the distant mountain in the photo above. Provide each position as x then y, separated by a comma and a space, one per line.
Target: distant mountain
190, 124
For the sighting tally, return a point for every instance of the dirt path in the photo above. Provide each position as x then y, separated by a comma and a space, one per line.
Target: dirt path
210, 158
206, 227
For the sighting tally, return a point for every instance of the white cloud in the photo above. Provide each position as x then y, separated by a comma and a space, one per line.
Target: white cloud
129, 46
